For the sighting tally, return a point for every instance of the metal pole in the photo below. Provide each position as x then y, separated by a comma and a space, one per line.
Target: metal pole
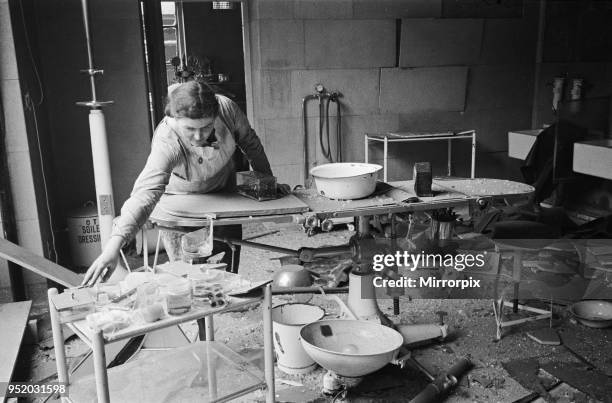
305, 122
182, 42
538, 63
262, 246
58, 339
473, 170
449, 154
99, 354
211, 370
99, 143
92, 81
268, 346
385, 151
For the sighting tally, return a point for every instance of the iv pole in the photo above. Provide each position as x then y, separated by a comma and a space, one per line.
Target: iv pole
99, 143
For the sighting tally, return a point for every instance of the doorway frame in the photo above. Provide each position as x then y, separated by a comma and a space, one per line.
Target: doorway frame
248, 60
246, 50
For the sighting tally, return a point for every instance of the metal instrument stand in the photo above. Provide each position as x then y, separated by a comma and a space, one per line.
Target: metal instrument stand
387, 138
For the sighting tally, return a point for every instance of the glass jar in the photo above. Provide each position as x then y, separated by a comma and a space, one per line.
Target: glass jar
147, 294
178, 297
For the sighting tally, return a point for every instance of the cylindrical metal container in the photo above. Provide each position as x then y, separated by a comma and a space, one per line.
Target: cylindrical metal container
287, 321
84, 235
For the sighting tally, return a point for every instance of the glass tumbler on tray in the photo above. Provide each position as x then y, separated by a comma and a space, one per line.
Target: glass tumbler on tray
196, 246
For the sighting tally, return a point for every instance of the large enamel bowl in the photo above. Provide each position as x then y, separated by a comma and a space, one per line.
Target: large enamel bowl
346, 180
350, 348
593, 313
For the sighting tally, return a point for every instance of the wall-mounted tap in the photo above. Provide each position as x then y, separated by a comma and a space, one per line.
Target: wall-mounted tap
324, 98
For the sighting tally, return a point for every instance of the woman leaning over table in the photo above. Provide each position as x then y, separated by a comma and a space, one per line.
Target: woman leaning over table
195, 149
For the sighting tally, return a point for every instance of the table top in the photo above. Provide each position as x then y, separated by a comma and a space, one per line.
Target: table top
448, 192
223, 205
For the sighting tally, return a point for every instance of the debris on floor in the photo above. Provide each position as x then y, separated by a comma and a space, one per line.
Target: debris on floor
517, 368
546, 336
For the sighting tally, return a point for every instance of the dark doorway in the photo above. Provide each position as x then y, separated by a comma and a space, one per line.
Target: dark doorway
206, 40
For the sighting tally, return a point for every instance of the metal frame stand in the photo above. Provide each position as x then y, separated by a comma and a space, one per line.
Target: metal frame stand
499, 303
97, 342
410, 137
99, 142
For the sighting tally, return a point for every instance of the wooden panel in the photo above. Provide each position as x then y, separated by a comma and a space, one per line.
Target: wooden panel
14, 318
38, 264
227, 205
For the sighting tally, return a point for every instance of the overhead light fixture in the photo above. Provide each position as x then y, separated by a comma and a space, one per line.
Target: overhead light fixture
222, 5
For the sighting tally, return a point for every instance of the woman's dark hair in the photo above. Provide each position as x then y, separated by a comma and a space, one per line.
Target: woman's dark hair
193, 99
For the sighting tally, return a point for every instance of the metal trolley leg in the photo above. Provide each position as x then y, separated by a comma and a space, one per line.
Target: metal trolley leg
58, 340
473, 171
385, 158
449, 157
268, 347
99, 355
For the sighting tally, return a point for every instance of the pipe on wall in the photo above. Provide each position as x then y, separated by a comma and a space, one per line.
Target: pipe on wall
324, 98
538, 62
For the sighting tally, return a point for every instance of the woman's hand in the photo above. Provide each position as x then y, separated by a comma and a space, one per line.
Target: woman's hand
105, 264
283, 189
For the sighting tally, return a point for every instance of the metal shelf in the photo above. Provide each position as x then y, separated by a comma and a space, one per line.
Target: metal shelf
203, 371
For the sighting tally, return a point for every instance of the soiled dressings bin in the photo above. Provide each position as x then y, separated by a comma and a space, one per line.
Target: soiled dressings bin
84, 235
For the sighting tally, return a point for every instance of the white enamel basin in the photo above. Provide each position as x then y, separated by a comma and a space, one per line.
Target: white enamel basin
351, 348
346, 180
594, 157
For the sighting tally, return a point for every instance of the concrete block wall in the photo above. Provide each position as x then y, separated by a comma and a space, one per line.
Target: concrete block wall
440, 42
578, 44
19, 158
597, 78
399, 66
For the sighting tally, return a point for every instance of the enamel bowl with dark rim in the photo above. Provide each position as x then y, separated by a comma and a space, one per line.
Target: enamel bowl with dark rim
346, 180
593, 313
